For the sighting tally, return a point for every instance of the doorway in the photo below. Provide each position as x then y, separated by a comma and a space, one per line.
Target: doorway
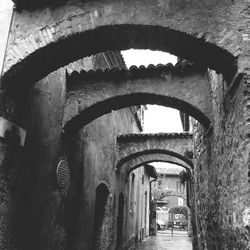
100, 207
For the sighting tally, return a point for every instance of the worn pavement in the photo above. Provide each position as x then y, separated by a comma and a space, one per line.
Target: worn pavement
164, 241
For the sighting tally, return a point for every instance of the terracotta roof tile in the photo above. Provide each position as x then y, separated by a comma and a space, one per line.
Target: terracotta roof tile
134, 71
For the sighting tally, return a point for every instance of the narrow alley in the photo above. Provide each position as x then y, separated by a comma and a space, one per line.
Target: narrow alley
165, 241
124, 125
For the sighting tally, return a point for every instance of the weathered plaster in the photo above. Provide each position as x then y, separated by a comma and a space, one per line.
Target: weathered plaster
92, 94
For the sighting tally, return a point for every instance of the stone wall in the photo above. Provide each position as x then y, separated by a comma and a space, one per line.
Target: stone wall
136, 216
222, 192
45, 39
95, 156
36, 213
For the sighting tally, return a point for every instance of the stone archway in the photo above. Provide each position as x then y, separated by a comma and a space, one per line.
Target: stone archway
145, 159
194, 31
92, 94
131, 146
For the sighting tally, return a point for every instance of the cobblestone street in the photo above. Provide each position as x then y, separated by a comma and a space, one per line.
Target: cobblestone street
164, 241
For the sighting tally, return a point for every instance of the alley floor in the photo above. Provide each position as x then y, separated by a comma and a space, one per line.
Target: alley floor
164, 241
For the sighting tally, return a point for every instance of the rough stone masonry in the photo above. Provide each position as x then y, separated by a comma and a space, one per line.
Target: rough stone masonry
45, 37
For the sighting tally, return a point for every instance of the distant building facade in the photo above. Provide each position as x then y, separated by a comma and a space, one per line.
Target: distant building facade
171, 191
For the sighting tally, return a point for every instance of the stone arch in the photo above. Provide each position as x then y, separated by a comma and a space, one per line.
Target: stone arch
132, 146
72, 31
177, 195
138, 154
92, 94
145, 159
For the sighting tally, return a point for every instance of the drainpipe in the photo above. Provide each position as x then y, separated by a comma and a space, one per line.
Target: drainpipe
150, 207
